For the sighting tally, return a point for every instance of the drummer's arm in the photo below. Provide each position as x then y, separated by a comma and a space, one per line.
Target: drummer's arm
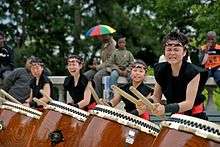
191, 92
115, 100
46, 90
86, 99
29, 99
157, 93
143, 108
186, 105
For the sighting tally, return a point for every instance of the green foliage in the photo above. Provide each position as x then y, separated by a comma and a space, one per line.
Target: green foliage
41, 28
150, 71
216, 97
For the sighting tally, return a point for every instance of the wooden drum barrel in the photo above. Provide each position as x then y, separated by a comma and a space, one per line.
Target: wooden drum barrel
112, 127
188, 131
18, 123
60, 125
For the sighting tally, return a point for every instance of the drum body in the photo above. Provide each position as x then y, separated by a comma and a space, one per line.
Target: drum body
58, 126
186, 131
17, 128
111, 127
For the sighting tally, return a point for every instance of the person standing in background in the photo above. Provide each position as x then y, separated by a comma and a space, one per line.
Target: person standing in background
210, 56
6, 57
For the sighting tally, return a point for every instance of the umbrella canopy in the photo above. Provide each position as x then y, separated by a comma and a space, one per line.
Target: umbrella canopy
100, 30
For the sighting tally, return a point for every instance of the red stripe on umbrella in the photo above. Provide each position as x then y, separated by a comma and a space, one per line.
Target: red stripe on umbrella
100, 30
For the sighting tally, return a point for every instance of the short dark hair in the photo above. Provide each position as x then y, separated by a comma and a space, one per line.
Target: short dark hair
31, 58
176, 36
123, 39
36, 60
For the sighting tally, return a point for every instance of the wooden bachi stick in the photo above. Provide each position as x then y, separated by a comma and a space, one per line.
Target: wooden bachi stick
143, 98
125, 95
47, 96
94, 94
9, 96
40, 102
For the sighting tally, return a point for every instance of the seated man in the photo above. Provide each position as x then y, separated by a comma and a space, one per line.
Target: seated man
99, 71
138, 73
18, 81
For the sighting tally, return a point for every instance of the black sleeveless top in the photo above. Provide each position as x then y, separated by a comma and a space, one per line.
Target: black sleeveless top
142, 88
76, 92
36, 88
174, 88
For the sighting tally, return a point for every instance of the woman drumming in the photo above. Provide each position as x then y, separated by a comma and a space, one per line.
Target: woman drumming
76, 84
39, 82
138, 73
180, 82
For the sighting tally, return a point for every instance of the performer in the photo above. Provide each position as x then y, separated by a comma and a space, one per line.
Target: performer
138, 72
39, 82
76, 84
180, 82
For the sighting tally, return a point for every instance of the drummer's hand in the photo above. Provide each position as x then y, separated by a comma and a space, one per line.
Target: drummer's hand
159, 109
28, 100
105, 102
26, 104
141, 106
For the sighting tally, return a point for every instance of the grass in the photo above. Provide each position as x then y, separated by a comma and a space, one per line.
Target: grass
216, 97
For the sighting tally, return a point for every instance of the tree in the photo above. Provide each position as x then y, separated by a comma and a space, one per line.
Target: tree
53, 29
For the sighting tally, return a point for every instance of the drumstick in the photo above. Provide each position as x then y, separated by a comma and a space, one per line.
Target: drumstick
96, 97
44, 94
2, 99
124, 94
94, 94
40, 102
9, 96
143, 98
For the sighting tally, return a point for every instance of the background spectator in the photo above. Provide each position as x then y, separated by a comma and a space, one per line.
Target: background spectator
119, 62
6, 57
210, 56
99, 71
18, 81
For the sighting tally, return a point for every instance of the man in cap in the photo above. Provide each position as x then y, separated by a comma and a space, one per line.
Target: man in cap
210, 56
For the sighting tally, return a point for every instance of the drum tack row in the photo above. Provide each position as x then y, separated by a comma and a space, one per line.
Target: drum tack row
61, 125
